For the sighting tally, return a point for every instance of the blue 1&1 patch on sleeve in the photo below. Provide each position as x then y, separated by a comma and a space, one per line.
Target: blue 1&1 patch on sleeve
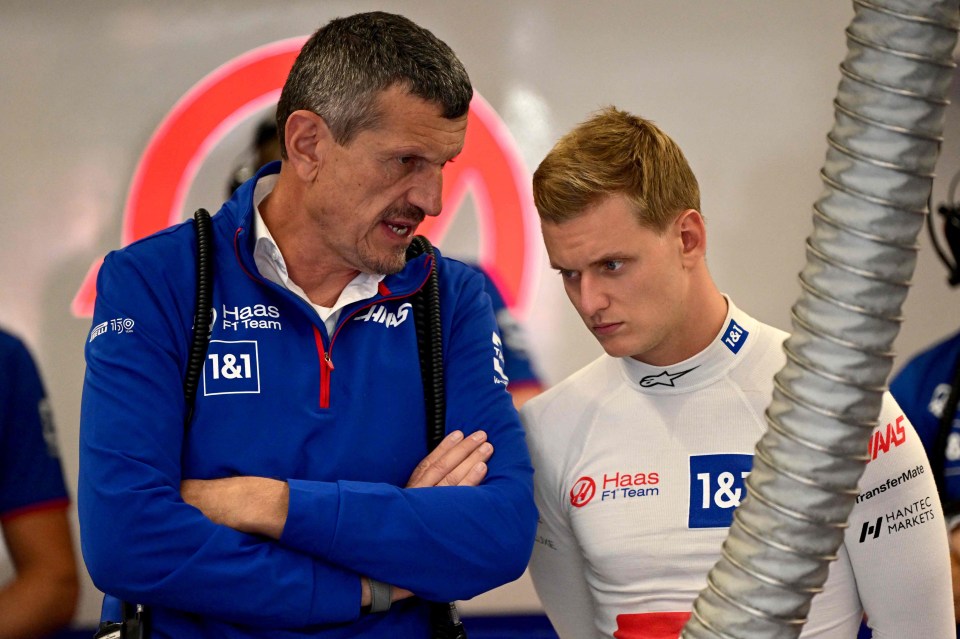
716, 488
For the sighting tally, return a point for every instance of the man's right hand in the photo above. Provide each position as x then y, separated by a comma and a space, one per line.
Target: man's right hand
456, 461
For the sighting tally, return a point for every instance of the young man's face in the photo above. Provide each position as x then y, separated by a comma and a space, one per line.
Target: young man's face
628, 283
373, 192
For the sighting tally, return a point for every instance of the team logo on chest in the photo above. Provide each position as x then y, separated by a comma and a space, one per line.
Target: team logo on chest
615, 486
717, 484
237, 318
231, 368
583, 491
379, 314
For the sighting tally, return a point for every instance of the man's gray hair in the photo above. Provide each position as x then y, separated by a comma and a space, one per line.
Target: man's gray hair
346, 64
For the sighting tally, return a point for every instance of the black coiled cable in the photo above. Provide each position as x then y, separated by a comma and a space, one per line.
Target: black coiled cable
426, 318
444, 618
202, 314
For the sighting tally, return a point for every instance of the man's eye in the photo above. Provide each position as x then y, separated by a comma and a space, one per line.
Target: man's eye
405, 159
567, 275
613, 265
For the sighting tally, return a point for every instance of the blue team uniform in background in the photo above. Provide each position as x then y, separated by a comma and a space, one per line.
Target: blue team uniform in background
30, 473
921, 388
518, 365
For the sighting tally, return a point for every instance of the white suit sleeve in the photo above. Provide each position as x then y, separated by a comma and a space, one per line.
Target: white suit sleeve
557, 565
897, 539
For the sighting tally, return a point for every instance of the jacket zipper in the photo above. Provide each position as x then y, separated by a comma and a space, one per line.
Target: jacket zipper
326, 361
326, 367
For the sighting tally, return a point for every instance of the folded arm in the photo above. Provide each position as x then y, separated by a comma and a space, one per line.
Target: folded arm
259, 505
141, 542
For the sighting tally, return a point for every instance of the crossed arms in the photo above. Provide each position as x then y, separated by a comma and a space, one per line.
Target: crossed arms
259, 505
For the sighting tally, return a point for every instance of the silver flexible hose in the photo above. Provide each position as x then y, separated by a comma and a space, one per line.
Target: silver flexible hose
861, 255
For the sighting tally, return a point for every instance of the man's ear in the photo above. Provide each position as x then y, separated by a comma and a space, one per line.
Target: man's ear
307, 138
693, 234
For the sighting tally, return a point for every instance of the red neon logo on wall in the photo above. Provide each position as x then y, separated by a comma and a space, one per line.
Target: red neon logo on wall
489, 168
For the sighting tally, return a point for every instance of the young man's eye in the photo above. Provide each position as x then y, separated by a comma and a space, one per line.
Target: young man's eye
613, 265
567, 275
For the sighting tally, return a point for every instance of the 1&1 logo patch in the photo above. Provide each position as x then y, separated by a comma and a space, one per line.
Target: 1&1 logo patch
231, 368
735, 337
716, 488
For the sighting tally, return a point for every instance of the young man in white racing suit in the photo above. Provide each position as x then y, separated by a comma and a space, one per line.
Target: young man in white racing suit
640, 457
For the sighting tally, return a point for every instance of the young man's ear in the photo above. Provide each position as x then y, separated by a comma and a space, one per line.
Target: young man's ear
693, 233
306, 137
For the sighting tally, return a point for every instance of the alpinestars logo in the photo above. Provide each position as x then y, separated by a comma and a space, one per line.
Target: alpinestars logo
666, 378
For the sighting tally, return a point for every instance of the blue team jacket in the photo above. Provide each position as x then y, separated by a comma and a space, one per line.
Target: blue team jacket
921, 388
339, 417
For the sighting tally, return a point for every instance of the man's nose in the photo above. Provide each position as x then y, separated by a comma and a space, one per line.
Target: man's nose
593, 296
426, 193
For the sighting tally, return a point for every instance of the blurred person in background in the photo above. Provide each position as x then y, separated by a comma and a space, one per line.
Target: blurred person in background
928, 389
38, 572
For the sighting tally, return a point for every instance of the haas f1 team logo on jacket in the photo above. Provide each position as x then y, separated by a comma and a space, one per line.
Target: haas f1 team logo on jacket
236, 318
379, 314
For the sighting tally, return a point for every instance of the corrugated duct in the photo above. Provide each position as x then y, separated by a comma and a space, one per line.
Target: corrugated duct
861, 255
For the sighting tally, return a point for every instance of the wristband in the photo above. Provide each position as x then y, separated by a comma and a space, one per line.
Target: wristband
380, 596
